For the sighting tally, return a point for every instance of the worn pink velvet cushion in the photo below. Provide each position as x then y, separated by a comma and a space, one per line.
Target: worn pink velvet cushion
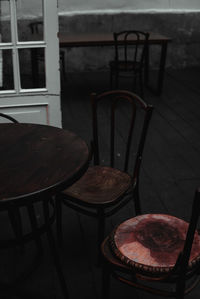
153, 242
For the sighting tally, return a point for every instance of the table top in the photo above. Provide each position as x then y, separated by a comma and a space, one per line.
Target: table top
39, 159
100, 39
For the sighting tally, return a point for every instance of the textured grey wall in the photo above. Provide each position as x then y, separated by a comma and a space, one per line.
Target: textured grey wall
33, 8
124, 5
182, 28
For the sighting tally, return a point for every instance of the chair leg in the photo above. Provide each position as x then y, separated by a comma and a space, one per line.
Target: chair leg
141, 85
16, 223
180, 287
116, 80
136, 199
33, 221
111, 79
62, 58
105, 282
134, 88
53, 248
180, 293
101, 231
58, 206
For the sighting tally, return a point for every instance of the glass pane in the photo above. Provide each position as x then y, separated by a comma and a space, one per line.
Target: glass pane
30, 29
5, 28
6, 70
32, 68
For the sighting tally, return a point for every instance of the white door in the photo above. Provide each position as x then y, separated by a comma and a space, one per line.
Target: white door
29, 61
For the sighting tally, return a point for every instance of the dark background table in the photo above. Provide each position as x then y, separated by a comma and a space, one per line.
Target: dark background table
67, 40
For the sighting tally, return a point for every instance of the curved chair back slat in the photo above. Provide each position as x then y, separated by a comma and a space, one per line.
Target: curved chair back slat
8, 117
118, 98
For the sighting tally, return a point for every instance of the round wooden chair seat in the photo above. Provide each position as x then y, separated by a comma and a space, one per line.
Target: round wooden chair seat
152, 242
100, 185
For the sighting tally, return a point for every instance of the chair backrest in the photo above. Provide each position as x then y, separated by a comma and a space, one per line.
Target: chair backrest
183, 259
36, 27
8, 117
131, 45
119, 109
37, 33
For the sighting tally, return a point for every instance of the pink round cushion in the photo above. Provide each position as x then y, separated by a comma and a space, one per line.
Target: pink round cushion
152, 242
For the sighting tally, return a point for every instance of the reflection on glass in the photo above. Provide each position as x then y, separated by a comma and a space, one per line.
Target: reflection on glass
30, 29
36, 30
6, 70
5, 29
32, 68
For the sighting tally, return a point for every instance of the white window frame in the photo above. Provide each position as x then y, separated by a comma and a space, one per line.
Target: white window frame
50, 39
38, 105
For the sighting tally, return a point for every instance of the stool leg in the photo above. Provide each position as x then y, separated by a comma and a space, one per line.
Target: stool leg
53, 248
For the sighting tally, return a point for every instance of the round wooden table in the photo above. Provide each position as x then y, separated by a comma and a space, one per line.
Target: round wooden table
37, 161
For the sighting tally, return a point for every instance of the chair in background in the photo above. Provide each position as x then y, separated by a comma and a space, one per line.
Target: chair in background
103, 190
155, 248
38, 56
131, 48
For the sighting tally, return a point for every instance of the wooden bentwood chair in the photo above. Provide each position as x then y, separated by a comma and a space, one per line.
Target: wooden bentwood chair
129, 58
155, 248
104, 189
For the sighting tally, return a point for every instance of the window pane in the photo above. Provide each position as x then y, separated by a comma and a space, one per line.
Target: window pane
5, 29
32, 68
6, 70
30, 28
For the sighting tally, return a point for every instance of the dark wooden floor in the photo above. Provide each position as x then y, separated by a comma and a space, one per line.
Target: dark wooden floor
170, 173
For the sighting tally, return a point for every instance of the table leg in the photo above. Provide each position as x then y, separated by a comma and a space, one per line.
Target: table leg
53, 248
160, 79
146, 66
162, 67
16, 222
58, 206
33, 221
